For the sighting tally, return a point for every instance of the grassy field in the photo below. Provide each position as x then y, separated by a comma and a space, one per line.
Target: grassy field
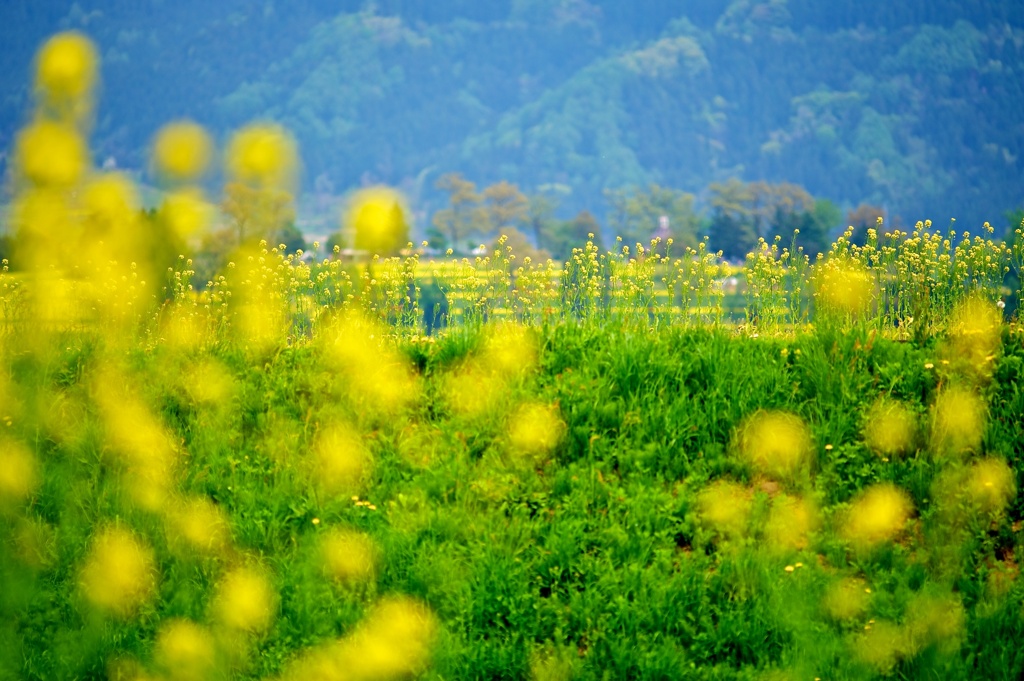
552, 502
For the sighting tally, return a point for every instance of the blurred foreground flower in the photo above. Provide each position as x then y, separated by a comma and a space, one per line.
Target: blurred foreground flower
264, 156
182, 151
890, 428
879, 514
119, 574
376, 216
51, 154
245, 601
66, 68
773, 442
535, 430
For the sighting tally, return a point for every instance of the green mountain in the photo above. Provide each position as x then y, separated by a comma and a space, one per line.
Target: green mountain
911, 106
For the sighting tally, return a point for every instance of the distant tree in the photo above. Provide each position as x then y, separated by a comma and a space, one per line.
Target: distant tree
521, 247
465, 215
815, 235
732, 228
636, 213
862, 218
733, 237
507, 207
540, 216
256, 213
573, 234
291, 236
1014, 221
778, 209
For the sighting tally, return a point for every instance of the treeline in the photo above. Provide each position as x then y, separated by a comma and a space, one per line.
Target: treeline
732, 215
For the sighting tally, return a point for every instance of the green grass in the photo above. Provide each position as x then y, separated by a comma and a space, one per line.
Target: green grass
593, 560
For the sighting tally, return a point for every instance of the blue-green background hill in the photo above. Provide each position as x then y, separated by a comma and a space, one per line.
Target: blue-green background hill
913, 106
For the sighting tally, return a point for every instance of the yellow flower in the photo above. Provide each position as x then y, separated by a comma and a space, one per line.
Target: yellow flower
377, 216
845, 599
198, 525
119, 574
774, 442
182, 151
245, 601
535, 430
958, 421
185, 650
991, 484
112, 206
877, 515
790, 523
18, 471
262, 155
890, 428
349, 556
340, 459
186, 213
844, 286
725, 508
51, 154
66, 67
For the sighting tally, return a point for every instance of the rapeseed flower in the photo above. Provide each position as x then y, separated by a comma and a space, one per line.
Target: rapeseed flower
890, 428
990, 485
535, 430
774, 442
119, 574
182, 151
245, 601
66, 70
844, 286
845, 599
185, 651
791, 521
377, 217
262, 155
958, 421
197, 525
349, 556
51, 154
19, 472
341, 459
186, 212
724, 507
877, 515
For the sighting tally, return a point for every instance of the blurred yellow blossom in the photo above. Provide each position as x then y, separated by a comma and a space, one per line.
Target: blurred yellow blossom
182, 151
958, 421
51, 154
245, 600
890, 428
377, 217
877, 515
66, 68
262, 155
119, 573
535, 429
348, 556
774, 442
19, 472
185, 651
724, 507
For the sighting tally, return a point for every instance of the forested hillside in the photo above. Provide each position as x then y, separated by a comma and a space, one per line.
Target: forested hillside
913, 107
